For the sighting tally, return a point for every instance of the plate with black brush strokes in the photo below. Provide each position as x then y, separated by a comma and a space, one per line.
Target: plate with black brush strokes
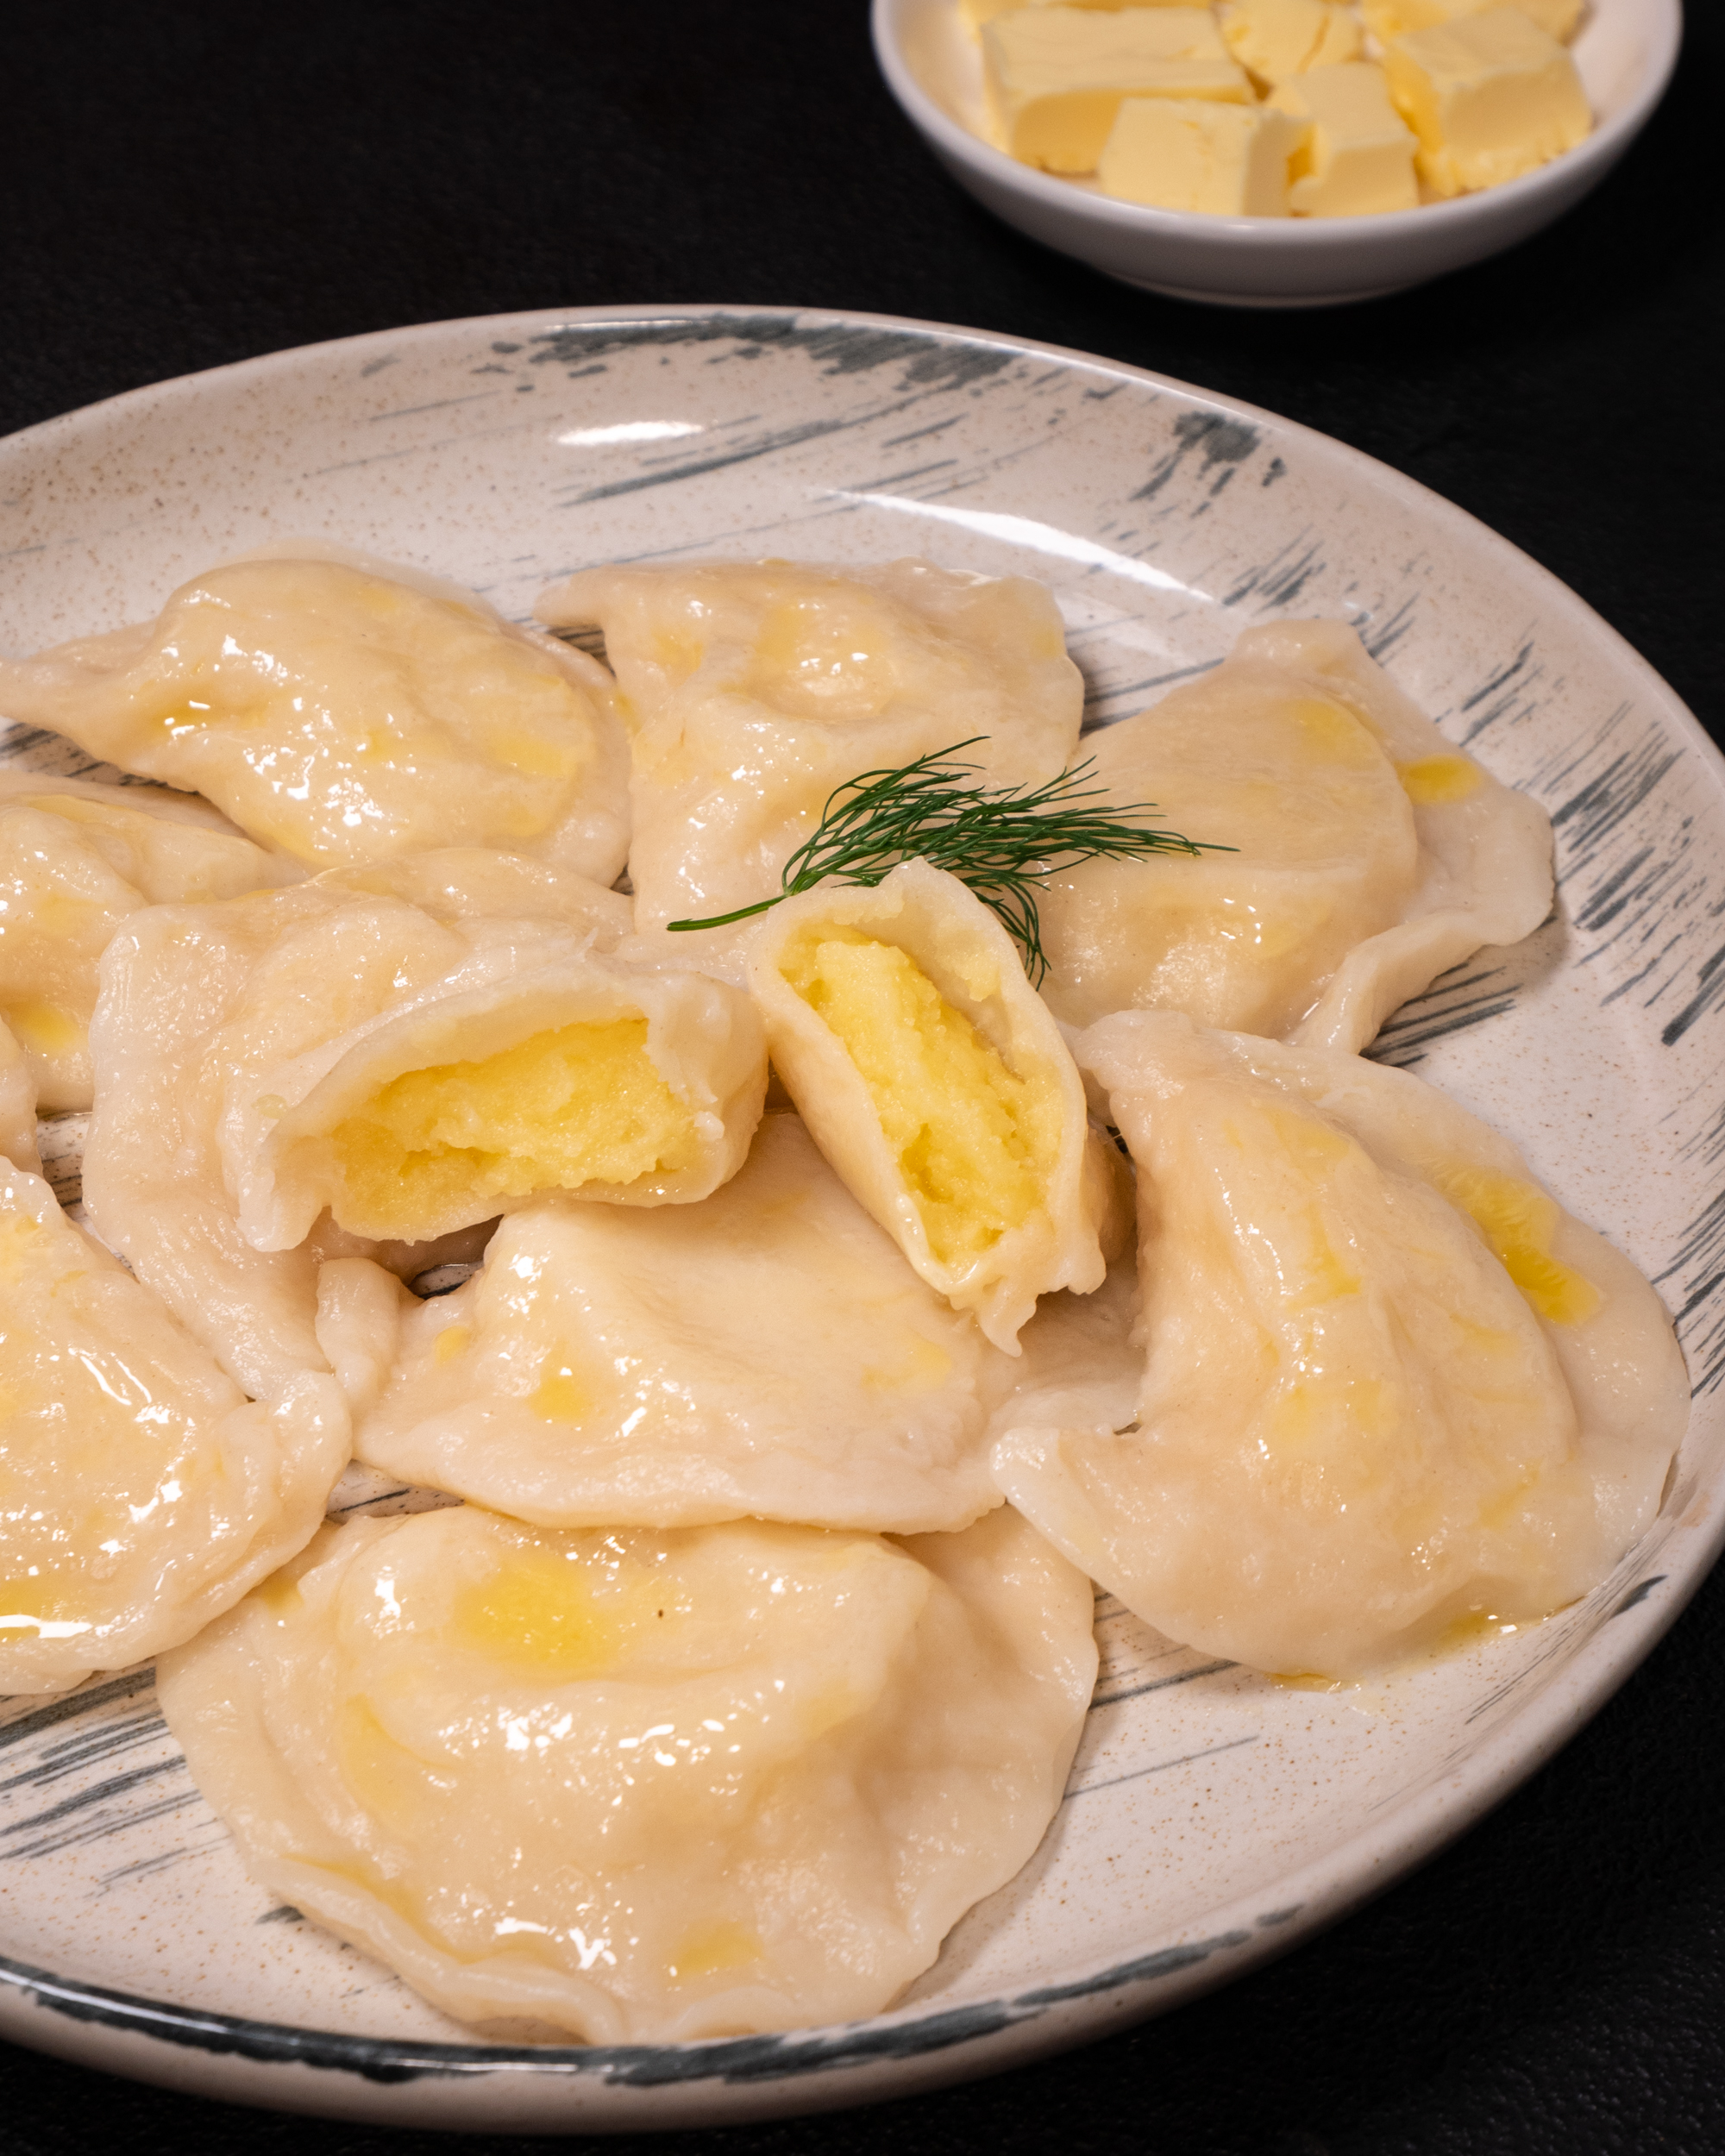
1214, 1817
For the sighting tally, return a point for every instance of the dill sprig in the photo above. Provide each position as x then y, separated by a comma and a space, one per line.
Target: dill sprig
1003, 842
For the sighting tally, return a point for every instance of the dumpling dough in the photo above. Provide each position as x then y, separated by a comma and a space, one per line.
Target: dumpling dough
18, 1106
75, 859
262, 1059
1370, 854
1391, 1388
642, 1785
140, 1493
767, 1352
753, 690
934, 1079
345, 716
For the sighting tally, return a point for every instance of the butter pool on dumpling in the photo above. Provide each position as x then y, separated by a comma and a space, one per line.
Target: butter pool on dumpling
141, 1494
753, 690
345, 716
1369, 854
934, 1079
642, 1785
766, 1352
1391, 1388
76, 857
414, 1073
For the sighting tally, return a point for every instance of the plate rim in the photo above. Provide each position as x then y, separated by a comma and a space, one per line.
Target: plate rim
841, 2064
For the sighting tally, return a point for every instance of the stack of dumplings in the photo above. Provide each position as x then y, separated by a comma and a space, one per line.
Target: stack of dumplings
777, 1326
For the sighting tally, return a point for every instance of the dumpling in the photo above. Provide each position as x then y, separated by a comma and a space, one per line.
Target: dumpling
344, 715
642, 1785
75, 859
1370, 854
262, 1060
18, 1106
1392, 1390
753, 689
934, 1079
767, 1352
140, 1493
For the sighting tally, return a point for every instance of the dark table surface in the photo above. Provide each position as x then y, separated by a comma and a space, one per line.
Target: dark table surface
189, 185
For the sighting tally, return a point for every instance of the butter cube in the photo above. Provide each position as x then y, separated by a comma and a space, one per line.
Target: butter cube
1387, 19
1056, 75
1276, 39
1490, 96
1358, 157
1194, 153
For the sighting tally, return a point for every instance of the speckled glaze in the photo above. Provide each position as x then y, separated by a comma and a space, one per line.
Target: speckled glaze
1624, 51
1214, 1817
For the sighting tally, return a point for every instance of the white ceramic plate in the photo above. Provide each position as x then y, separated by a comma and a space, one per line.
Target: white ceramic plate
1214, 1817
1624, 53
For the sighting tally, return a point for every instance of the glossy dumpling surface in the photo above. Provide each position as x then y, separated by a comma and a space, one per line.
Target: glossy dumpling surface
1369, 854
753, 689
768, 1351
140, 1493
76, 858
1391, 1388
17, 1105
344, 715
934, 1079
642, 1785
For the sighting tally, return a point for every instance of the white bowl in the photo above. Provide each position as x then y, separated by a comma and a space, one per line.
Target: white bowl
1625, 53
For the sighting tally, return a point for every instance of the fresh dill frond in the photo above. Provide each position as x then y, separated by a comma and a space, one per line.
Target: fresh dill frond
1003, 842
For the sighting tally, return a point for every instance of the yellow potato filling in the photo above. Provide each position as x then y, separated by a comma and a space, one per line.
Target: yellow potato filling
576, 1106
974, 1141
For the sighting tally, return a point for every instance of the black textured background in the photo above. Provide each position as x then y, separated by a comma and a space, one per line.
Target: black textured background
197, 183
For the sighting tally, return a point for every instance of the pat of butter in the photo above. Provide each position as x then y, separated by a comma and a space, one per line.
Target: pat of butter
1276, 39
1358, 158
1387, 19
1490, 96
1057, 75
1192, 153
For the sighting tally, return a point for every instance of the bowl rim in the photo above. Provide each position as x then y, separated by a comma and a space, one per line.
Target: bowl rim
1579, 168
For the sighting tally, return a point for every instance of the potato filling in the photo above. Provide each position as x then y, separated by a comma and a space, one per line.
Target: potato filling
974, 1140
579, 1105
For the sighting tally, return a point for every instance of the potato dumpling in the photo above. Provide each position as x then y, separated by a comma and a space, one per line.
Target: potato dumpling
1391, 1388
642, 1785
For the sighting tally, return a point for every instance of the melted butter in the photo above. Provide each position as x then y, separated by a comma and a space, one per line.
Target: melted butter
539, 1612
1520, 1222
579, 1105
453, 1340
565, 1392
919, 1366
709, 1949
972, 1138
1434, 781
1333, 736
827, 654
44, 1026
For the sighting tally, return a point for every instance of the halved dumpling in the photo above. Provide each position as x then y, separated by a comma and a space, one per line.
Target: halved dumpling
141, 1494
1369, 854
642, 1785
263, 1060
1392, 1389
76, 858
936, 1082
752, 690
767, 1352
345, 715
